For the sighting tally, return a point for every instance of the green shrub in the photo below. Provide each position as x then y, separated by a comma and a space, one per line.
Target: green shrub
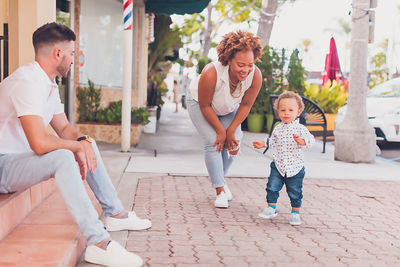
89, 102
90, 111
329, 97
140, 116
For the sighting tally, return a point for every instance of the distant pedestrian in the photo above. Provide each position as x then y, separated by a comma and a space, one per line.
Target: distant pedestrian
287, 140
176, 95
220, 99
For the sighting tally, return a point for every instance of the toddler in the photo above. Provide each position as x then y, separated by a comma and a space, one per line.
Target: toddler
287, 140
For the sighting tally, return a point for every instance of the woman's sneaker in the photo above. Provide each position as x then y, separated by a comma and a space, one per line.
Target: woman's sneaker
295, 219
268, 213
228, 192
221, 201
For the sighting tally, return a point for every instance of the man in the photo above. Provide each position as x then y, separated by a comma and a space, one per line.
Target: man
29, 101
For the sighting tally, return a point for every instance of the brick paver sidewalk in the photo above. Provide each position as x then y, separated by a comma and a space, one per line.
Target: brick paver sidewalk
345, 223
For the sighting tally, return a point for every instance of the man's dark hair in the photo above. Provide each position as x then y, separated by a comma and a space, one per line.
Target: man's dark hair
51, 33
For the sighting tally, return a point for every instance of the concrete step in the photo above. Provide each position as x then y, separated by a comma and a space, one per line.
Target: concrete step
48, 236
15, 207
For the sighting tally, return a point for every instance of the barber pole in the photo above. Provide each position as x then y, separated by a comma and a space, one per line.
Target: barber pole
128, 7
127, 77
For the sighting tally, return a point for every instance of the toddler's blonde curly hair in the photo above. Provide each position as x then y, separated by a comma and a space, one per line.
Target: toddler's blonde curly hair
290, 94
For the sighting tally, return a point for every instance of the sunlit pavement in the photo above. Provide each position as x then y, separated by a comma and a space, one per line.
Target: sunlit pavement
346, 222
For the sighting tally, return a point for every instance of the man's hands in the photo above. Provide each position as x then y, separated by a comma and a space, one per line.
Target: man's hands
86, 158
299, 140
81, 159
91, 159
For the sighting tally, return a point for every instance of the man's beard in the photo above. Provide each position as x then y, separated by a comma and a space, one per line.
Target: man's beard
63, 69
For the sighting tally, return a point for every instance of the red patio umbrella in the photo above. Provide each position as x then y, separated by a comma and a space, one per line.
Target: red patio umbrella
332, 66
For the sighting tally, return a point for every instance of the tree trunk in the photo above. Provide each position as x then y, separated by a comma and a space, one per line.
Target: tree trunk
207, 35
266, 22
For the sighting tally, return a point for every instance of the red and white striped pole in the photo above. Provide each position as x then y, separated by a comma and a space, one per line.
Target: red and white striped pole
128, 10
127, 77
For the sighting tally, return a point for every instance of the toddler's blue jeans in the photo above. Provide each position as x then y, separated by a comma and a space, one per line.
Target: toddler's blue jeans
294, 186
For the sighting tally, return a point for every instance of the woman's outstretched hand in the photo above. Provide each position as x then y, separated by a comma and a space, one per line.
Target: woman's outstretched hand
220, 141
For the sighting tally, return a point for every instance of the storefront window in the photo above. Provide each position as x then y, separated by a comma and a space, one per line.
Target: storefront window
100, 55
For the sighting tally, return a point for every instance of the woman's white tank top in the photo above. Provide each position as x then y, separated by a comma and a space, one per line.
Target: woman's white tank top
223, 102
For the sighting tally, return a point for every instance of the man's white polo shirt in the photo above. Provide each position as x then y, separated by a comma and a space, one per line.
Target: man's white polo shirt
27, 91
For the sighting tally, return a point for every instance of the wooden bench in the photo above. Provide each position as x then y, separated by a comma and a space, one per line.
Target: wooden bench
312, 115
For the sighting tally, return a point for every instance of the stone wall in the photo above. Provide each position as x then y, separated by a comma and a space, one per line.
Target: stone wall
110, 133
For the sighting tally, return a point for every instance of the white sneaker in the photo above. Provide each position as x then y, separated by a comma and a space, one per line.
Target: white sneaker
228, 192
268, 213
295, 219
114, 256
221, 201
133, 222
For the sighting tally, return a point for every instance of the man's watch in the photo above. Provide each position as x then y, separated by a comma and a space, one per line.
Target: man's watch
84, 138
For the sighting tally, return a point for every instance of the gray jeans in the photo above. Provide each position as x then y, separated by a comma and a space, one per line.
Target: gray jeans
217, 163
20, 171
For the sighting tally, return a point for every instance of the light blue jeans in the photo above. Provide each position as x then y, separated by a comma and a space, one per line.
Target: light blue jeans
20, 171
217, 163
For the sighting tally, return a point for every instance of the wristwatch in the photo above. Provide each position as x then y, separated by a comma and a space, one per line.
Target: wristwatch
84, 138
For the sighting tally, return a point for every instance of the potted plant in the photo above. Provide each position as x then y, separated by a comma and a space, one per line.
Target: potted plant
330, 97
271, 66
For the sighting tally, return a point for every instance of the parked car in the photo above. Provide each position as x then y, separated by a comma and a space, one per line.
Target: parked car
383, 110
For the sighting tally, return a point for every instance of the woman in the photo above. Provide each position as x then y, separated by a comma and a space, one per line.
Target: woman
220, 99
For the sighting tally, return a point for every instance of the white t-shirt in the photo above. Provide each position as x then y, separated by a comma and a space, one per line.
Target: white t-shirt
27, 91
223, 102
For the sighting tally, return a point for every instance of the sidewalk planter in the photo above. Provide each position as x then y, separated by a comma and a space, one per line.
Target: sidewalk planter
108, 132
151, 127
255, 122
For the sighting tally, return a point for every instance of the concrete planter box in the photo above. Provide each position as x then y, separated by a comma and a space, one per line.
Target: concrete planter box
109, 132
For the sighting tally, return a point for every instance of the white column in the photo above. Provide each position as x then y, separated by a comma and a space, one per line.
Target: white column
127, 78
354, 136
126, 92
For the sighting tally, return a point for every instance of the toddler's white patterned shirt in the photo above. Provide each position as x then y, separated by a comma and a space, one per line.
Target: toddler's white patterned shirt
287, 154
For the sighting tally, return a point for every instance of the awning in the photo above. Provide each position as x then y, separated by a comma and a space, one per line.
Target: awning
179, 7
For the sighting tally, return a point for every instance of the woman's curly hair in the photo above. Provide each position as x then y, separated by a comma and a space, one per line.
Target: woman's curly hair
238, 41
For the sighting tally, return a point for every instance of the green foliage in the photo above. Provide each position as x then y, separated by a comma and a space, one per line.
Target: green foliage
296, 74
165, 46
113, 114
90, 111
271, 66
89, 102
140, 116
329, 97
201, 63
380, 72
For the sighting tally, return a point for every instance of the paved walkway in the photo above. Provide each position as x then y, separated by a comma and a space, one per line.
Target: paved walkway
350, 212
349, 223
